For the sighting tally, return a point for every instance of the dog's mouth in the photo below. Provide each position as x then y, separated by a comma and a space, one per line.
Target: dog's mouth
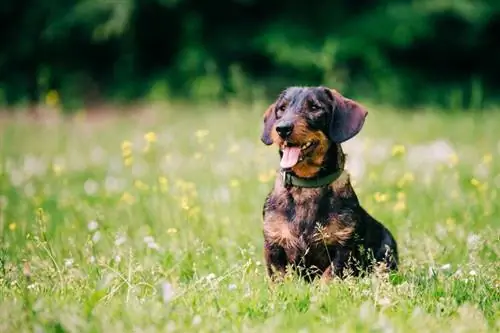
294, 153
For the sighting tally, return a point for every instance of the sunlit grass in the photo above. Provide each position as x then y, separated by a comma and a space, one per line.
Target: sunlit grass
152, 223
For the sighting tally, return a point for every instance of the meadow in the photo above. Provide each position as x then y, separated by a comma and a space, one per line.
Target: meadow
151, 222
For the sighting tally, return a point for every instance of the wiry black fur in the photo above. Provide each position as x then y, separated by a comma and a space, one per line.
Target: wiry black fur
292, 215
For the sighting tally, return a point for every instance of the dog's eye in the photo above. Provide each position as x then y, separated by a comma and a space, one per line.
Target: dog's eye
315, 107
280, 110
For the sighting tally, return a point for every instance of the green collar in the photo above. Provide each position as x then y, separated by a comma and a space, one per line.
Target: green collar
291, 180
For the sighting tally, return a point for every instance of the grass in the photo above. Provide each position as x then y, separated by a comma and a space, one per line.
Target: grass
152, 223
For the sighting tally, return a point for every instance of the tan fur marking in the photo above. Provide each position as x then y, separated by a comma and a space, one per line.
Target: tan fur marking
278, 231
341, 182
327, 275
333, 233
312, 164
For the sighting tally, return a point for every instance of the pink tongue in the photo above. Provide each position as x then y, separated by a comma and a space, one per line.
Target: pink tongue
290, 157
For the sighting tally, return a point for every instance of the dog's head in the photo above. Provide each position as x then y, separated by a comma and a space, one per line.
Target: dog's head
304, 121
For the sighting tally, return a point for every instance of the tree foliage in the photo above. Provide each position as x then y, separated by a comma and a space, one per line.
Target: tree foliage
398, 51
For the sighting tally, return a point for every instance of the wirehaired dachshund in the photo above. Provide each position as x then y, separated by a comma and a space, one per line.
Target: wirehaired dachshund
313, 221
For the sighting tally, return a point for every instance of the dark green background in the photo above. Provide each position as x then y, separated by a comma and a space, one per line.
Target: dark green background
400, 52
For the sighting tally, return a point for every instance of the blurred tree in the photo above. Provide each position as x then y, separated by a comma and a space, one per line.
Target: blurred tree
400, 51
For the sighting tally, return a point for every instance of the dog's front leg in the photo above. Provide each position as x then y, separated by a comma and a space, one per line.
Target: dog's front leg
338, 264
276, 260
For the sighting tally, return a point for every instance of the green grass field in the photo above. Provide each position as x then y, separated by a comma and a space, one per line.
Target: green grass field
152, 223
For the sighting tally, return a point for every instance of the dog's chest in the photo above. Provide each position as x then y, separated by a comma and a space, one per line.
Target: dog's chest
301, 220
298, 217
305, 208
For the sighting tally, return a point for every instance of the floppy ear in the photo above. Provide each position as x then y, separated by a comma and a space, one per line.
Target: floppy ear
348, 118
269, 120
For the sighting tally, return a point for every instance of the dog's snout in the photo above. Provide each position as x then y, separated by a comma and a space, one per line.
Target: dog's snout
284, 129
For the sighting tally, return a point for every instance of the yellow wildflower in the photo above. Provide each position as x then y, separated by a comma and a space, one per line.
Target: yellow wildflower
234, 183
128, 161
163, 184
487, 158
150, 137
12, 226
57, 169
450, 223
171, 230
234, 148
453, 159
398, 150
201, 134
474, 182
52, 98
408, 177
126, 145
380, 197
184, 203
194, 211
141, 185
128, 198
399, 206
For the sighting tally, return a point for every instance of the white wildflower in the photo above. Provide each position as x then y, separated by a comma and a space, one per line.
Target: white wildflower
112, 184
92, 225
149, 239
120, 239
68, 262
473, 241
384, 301
96, 237
445, 267
91, 187
167, 292
196, 320
154, 246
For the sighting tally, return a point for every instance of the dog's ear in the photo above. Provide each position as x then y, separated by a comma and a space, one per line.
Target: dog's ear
269, 120
348, 117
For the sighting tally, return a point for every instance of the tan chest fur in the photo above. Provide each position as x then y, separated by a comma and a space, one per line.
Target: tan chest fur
291, 221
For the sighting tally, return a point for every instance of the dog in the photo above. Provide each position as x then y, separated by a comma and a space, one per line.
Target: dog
312, 219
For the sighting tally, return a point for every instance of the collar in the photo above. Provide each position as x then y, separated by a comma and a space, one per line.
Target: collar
291, 180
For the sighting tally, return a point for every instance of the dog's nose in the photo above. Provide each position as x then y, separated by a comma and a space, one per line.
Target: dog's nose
284, 129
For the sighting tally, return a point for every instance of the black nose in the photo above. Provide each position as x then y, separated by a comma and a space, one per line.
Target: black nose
284, 129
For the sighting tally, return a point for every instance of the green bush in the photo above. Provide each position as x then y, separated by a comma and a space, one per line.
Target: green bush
400, 52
